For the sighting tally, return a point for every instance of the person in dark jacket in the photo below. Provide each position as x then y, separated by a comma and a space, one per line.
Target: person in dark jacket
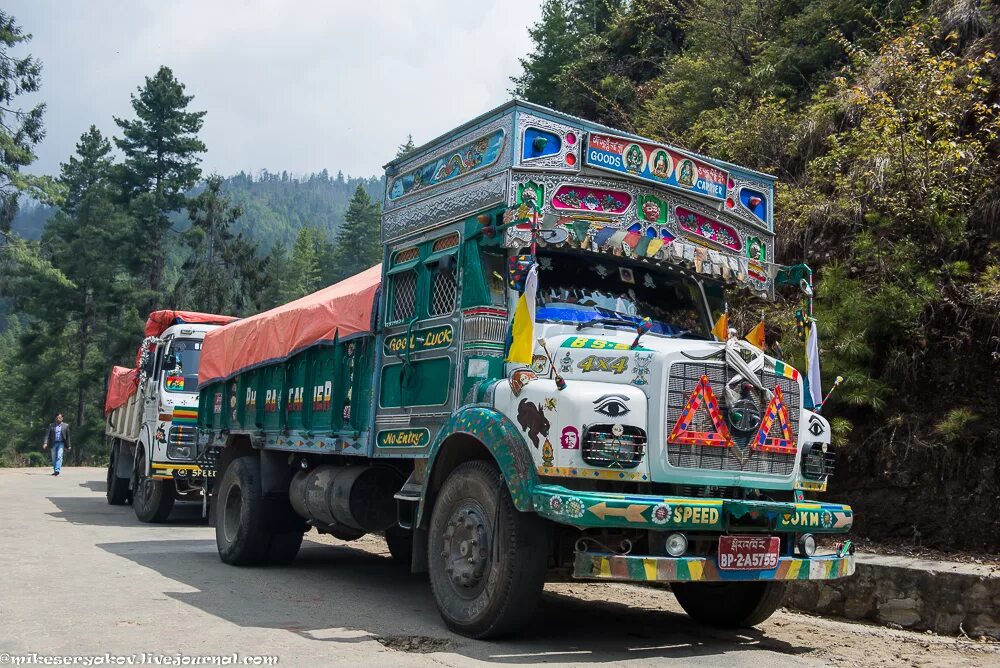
58, 439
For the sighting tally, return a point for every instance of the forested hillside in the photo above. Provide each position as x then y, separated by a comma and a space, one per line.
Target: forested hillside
880, 120
275, 206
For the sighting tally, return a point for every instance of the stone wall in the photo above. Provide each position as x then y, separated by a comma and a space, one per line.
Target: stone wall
941, 596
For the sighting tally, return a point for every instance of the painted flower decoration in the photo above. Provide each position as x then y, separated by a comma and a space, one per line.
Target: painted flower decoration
826, 519
556, 505
574, 507
661, 513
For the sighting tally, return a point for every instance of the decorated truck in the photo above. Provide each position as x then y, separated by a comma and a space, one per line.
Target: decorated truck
151, 418
528, 387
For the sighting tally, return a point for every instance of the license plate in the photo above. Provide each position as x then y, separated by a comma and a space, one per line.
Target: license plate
748, 553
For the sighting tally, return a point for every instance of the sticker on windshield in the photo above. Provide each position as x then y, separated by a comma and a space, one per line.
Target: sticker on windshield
175, 382
597, 344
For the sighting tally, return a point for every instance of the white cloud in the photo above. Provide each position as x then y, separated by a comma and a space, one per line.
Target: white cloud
297, 86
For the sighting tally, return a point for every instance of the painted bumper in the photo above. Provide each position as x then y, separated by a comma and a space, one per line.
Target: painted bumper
602, 566
180, 471
597, 509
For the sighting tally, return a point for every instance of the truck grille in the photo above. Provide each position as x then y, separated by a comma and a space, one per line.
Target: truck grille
684, 378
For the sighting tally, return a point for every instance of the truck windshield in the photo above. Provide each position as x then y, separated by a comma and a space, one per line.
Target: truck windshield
575, 289
184, 376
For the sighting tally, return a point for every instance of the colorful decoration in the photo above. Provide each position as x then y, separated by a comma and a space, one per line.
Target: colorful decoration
706, 228
776, 410
598, 566
419, 340
785, 371
175, 383
566, 363
661, 513
570, 439
595, 344
616, 365
519, 379
756, 250
547, 453
591, 200
533, 421
471, 157
681, 434
641, 368
656, 163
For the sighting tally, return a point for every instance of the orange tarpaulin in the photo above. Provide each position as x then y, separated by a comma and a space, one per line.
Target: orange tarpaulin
158, 321
342, 310
121, 385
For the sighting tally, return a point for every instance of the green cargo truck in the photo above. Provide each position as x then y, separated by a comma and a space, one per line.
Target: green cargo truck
602, 433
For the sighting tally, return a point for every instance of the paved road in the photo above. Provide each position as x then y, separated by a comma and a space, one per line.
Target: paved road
79, 577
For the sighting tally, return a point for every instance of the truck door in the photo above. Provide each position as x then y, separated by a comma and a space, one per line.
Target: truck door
417, 374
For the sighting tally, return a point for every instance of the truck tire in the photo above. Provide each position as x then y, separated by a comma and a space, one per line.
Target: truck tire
486, 560
152, 500
117, 490
729, 605
242, 533
400, 543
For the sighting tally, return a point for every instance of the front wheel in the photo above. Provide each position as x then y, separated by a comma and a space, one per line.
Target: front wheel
486, 559
729, 605
152, 500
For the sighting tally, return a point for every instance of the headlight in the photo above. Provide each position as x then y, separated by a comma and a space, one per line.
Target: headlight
676, 544
807, 545
817, 460
614, 446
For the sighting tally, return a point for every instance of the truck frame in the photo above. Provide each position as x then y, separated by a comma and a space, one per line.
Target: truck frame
629, 446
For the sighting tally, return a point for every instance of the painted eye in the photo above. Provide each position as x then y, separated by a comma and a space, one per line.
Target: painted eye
613, 408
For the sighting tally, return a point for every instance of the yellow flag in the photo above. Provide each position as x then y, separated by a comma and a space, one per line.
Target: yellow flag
721, 329
522, 345
756, 335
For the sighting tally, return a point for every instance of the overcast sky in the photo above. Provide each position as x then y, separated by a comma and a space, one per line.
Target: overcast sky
288, 85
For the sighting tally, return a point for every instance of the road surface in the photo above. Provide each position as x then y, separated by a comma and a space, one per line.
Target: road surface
81, 578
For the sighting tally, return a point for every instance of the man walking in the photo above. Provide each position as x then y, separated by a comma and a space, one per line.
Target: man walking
57, 438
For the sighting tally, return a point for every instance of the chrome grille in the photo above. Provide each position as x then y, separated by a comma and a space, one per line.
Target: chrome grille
601, 447
485, 327
684, 378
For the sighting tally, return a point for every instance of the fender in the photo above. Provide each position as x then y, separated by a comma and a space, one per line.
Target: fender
503, 440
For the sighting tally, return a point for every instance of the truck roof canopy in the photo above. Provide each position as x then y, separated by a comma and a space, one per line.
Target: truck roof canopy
158, 321
121, 385
340, 311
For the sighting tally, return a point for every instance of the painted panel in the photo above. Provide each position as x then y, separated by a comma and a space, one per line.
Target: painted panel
539, 143
421, 340
591, 200
656, 163
706, 228
474, 156
428, 383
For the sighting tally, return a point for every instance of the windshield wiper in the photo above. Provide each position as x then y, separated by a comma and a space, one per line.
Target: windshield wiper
606, 321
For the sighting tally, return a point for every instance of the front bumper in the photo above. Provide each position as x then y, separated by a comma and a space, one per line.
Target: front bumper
180, 472
599, 509
605, 566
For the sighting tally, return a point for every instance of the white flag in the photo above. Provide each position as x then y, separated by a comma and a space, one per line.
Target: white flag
812, 363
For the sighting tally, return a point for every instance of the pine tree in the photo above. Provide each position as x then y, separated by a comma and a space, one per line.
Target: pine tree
358, 242
403, 149
211, 278
161, 148
302, 274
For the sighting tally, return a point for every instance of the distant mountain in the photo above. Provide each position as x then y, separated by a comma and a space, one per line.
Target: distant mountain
275, 206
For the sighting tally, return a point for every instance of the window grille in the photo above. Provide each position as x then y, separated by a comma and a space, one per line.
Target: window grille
446, 242
405, 255
404, 296
444, 290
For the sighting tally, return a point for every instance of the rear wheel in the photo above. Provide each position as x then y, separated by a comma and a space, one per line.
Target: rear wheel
117, 489
729, 605
486, 559
152, 500
242, 533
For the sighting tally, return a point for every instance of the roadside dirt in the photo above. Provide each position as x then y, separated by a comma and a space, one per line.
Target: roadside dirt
832, 641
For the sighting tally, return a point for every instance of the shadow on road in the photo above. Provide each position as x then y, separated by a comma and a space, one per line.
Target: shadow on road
343, 594
95, 486
95, 511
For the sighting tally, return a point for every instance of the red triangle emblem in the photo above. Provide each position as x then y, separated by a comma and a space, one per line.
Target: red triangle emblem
776, 410
682, 434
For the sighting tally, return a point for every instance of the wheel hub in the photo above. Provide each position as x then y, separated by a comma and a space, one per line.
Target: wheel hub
466, 549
